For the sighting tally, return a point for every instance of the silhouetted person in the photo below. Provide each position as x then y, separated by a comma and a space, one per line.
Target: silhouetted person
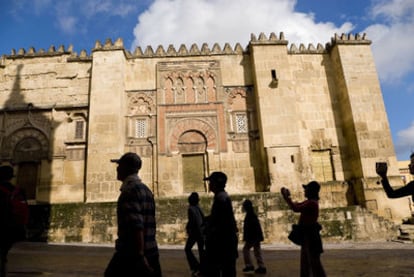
311, 246
252, 236
14, 215
195, 234
136, 249
221, 230
406, 190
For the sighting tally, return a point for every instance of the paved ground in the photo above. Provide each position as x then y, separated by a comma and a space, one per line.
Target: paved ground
374, 259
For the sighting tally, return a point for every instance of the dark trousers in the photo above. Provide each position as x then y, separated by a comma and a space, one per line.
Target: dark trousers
221, 259
310, 259
127, 265
257, 253
191, 258
5, 247
226, 268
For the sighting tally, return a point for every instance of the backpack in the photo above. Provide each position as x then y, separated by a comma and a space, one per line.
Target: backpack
18, 205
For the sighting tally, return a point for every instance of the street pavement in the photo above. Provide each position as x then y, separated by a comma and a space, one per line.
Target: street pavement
382, 259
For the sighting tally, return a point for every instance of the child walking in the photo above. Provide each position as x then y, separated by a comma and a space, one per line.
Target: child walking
195, 234
252, 236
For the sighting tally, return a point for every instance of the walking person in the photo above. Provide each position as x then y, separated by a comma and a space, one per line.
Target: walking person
252, 236
221, 230
311, 243
14, 215
407, 190
136, 249
195, 234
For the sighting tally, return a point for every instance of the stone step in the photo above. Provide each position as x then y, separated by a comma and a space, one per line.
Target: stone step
407, 227
404, 237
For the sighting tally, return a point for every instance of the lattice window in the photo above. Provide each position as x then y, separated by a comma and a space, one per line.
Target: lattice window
241, 123
79, 127
140, 128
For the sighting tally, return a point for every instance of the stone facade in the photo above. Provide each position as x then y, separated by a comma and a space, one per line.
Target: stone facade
268, 115
96, 222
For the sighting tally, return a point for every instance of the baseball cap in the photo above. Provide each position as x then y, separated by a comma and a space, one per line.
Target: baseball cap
217, 177
313, 186
129, 159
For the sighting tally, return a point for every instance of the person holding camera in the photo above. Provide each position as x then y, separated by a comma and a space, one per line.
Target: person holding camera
309, 230
407, 190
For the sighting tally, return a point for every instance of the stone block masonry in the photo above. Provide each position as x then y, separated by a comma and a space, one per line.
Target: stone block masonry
267, 114
96, 222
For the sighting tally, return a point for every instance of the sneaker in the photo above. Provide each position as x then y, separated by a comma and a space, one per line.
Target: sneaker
248, 268
260, 270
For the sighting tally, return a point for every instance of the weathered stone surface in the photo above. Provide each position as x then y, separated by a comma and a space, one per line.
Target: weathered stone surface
267, 115
96, 222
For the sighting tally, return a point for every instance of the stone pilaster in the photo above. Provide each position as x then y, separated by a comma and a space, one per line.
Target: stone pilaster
106, 134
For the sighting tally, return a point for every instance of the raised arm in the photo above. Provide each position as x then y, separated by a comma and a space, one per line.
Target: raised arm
407, 190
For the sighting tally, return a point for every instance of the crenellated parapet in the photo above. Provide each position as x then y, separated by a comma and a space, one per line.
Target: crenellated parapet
293, 49
193, 50
351, 39
272, 40
311, 49
108, 45
170, 51
183, 51
50, 52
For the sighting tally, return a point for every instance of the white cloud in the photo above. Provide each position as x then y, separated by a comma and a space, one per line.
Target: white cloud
405, 140
215, 21
393, 43
67, 24
108, 7
394, 10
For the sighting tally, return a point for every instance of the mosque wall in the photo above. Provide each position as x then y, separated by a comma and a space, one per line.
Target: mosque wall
268, 115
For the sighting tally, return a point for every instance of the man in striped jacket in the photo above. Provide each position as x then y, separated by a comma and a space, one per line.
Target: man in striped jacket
136, 247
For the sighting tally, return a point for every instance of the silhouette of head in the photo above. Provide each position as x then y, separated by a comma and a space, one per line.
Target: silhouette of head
217, 180
247, 206
128, 164
312, 190
193, 199
6, 173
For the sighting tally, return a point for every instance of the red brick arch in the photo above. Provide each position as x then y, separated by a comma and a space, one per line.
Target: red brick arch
186, 125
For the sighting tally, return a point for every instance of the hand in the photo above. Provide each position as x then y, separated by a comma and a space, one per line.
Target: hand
147, 265
285, 192
144, 265
381, 168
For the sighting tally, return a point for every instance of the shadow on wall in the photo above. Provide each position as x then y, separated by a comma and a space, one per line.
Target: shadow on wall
27, 144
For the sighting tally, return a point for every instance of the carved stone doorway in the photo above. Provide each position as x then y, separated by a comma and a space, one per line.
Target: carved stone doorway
192, 146
27, 178
30, 148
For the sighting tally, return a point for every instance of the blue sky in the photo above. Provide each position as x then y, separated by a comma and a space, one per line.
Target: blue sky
388, 23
